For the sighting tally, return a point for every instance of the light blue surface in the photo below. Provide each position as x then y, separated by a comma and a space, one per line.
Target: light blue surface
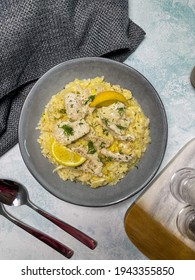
166, 58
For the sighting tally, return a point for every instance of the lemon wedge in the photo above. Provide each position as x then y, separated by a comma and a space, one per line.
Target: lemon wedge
107, 98
65, 156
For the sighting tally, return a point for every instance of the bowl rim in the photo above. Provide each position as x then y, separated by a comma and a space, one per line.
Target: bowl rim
23, 150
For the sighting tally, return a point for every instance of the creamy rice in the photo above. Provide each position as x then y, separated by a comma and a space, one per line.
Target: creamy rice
108, 147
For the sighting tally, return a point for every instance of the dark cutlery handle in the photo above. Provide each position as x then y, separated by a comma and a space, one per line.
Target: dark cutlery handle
79, 235
53, 243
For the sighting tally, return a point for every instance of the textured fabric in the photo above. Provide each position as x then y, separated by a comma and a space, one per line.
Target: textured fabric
36, 35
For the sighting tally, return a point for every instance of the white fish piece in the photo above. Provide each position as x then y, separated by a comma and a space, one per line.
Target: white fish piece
116, 156
114, 112
97, 140
127, 137
74, 107
85, 97
114, 119
100, 142
68, 132
116, 132
113, 127
92, 165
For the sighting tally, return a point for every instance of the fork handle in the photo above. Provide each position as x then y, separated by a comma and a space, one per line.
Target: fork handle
53, 243
79, 235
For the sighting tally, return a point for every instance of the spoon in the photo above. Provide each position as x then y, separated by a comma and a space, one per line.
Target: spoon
15, 194
56, 245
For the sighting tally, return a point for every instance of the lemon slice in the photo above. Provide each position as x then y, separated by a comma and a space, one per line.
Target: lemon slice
107, 98
66, 156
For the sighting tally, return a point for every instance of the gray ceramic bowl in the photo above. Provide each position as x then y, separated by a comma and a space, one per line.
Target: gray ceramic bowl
116, 73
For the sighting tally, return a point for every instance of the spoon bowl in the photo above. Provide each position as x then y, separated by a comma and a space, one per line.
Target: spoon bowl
12, 193
15, 194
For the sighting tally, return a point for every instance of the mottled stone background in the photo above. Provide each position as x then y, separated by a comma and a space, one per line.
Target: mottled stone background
166, 58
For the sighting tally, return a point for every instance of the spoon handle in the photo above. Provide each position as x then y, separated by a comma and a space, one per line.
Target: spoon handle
53, 243
79, 235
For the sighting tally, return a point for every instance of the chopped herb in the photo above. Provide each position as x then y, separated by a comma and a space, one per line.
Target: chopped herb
109, 158
62, 111
121, 110
102, 144
121, 127
106, 121
101, 159
55, 118
68, 130
91, 148
105, 159
105, 131
90, 99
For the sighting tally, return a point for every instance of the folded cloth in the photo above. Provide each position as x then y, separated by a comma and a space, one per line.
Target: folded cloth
36, 35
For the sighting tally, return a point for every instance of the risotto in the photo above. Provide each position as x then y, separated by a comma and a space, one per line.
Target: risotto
102, 124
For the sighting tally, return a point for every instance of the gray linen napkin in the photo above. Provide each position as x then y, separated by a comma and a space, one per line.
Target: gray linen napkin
36, 35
